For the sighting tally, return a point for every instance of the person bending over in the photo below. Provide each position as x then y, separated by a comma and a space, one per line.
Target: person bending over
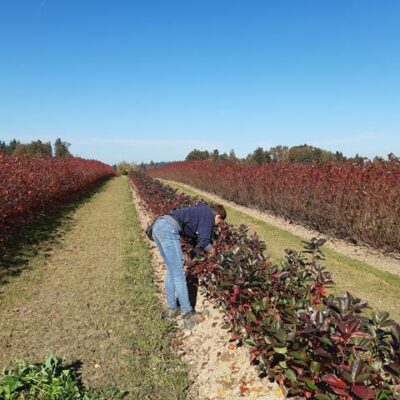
196, 223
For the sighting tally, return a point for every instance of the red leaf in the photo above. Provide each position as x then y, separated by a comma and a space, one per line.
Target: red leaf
363, 392
333, 380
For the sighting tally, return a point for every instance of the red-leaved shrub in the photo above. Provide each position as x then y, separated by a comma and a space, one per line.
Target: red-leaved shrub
356, 201
31, 186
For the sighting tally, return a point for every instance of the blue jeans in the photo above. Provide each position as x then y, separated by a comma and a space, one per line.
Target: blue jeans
166, 235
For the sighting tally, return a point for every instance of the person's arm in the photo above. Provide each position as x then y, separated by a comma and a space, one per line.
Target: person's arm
205, 233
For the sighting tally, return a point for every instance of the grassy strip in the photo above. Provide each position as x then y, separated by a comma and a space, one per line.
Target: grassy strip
157, 373
380, 288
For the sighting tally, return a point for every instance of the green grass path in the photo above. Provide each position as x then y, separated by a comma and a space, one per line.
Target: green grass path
381, 289
92, 300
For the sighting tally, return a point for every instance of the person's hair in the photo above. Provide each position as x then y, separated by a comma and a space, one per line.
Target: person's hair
219, 210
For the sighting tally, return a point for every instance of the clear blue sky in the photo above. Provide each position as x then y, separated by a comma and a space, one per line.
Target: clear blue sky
141, 80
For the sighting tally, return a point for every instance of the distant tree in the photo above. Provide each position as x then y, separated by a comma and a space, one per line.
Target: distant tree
142, 166
232, 156
358, 159
279, 153
40, 149
259, 156
305, 153
11, 146
21, 150
215, 155
339, 156
198, 155
223, 157
61, 149
124, 168
393, 157
3, 147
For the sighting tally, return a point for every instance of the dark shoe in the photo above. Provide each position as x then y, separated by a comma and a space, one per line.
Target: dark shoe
191, 318
173, 312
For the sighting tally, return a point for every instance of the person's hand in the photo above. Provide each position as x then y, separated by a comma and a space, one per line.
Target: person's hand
212, 252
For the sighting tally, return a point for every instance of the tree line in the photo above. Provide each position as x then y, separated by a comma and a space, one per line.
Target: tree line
36, 148
301, 153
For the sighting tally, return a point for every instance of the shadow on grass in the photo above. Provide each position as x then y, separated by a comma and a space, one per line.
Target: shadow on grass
41, 235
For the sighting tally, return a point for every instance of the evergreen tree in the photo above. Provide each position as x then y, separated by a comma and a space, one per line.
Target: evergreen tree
215, 155
11, 146
232, 156
61, 149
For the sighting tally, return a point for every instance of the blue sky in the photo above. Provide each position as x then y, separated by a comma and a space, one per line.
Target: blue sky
151, 80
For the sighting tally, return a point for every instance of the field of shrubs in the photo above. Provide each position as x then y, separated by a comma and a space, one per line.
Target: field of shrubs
357, 201
32, 186
318, 346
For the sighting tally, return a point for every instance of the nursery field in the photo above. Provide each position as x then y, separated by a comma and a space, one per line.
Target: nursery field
380, 288
81, 282
86, 293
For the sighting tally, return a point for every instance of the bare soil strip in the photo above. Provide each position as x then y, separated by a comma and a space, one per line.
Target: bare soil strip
93, 303
362, 271
218, 368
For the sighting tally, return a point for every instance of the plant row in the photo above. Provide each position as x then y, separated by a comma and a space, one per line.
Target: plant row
30, 186
357, 201
318, 346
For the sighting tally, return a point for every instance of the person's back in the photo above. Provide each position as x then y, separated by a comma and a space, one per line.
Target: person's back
196, 222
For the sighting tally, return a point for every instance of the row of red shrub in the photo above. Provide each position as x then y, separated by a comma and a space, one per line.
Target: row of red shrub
31, 186
320, 347
356, 201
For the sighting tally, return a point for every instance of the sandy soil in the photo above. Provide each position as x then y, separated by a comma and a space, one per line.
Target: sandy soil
218, 368
388, 263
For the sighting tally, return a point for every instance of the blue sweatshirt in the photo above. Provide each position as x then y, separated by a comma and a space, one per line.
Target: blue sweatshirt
198, 223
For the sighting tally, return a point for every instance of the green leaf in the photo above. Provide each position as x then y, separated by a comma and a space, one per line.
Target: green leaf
281, 335
310, 384
291, 375
250, 342
315, 367
12, 383
325, 340
251, 316
299, 355
280, 350
283, 364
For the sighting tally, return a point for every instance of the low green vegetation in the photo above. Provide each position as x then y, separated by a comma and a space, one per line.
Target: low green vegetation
381, 289
48, 381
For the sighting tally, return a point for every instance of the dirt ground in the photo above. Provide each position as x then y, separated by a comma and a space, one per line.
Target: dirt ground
384, 262
218, 368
